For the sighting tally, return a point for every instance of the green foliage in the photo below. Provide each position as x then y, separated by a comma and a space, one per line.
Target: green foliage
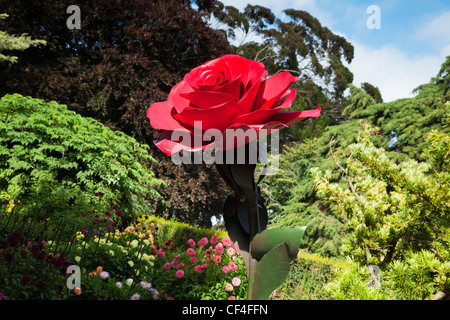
54, 161
9, 43
406, 120
399, 219
291, 194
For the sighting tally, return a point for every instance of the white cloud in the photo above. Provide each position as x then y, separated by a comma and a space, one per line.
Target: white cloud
437, 30
394, 72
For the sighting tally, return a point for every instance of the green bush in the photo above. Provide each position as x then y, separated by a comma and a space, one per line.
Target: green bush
399, 217
54, 161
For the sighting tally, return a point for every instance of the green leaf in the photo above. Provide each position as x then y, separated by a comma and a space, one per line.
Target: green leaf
270, 238
270, 272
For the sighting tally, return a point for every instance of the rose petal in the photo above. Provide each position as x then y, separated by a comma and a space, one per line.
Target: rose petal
174, 97
207, 99
213, 118
248, 99
264, 115
161, 115
288, 118
273, 88
233, 88
182, 142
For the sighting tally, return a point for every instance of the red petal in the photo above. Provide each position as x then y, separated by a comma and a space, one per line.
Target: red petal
248, 99
288, 118
174, 97
208, 99
161, 115
274, 87
264, 115
184, 142
232, 87
213, 118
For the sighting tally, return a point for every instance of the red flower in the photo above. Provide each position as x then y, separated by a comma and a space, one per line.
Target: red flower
25, 280
226, 93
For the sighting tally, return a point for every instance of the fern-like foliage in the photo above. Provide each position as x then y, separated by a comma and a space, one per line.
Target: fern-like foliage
53, 159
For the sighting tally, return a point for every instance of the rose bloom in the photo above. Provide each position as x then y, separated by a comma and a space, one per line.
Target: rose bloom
219, 248
190, 252
231, 298
232, 266
213, 239
198, 269
203, 242
236, 281
193, 259
226, 242
104, 275
77, 291
225, 269
229, 287
191, 242
166, 266
179, 273
230, 251
217, 259
230, 92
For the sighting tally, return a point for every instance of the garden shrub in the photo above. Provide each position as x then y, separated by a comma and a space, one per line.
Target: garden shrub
56, 162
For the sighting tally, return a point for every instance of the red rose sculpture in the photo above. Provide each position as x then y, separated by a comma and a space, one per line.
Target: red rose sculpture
226, 93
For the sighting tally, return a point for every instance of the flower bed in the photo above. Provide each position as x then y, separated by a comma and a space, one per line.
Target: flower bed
141, 261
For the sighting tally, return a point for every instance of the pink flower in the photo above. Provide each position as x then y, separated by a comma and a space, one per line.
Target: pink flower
236, 281
219, 248
231, 298
231, 251
232, 266
193, 259
213, 239
217, 259
179, 273
136, 296
203, 242
160, 254
198, 269
226, 242
225, 269
190, 252
191, 242
229, 287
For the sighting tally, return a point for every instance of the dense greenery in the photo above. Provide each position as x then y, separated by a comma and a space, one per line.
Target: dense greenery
369, 179
55, 161
291, 191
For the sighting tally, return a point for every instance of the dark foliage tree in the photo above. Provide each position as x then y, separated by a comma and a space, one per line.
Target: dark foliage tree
126, 55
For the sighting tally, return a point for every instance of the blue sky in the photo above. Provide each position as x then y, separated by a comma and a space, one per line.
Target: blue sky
407, 50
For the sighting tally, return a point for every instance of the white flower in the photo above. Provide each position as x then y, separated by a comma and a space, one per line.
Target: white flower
129, 282
134, 243
119, 284
104, 275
